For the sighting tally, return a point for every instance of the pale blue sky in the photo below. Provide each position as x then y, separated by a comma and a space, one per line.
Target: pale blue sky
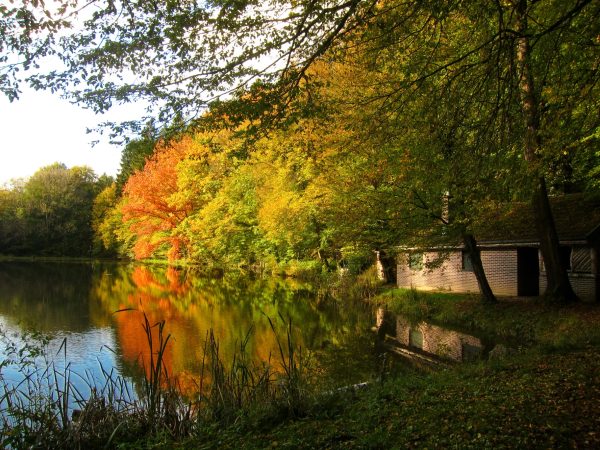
41, 128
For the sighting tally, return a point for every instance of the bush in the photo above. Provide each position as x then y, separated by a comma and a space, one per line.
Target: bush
305, 270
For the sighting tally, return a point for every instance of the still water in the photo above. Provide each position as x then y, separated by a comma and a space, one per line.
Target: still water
93, 315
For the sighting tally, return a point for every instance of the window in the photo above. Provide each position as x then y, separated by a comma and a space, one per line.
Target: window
470, 352
415, 261
581, 260
565, 256
467, 264
415, 338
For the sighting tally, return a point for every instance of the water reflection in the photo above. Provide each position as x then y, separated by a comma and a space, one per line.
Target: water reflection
429, 339
192, 306
46, 295
80, 302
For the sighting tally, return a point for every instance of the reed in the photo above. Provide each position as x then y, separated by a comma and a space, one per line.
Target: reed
234, 387
45, 409
292, 384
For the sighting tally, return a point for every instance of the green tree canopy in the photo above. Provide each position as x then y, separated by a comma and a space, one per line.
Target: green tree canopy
51, 213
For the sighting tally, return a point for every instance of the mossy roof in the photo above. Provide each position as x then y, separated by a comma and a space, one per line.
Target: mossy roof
576, 216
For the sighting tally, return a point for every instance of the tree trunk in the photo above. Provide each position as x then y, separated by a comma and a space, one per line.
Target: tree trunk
386, 266
558, 285
474, 254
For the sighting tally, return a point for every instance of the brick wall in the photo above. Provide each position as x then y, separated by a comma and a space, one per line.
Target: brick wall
584, 285
500, 267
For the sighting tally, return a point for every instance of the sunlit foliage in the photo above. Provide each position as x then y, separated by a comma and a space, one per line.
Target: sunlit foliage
51, 212
150, 206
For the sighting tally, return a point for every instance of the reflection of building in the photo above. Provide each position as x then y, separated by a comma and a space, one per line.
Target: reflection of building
427, 338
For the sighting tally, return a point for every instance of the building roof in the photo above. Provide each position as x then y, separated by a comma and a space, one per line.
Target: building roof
577, 219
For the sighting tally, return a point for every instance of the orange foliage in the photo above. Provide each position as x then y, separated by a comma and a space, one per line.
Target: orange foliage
150, 208
145, 280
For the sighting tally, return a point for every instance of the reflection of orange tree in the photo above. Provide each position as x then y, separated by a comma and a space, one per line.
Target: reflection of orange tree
192, 306
153, 296
190, 313
170, 284
136, 348
162, 296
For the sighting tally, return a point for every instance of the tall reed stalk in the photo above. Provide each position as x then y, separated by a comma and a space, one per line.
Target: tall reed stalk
157, 374
292, 383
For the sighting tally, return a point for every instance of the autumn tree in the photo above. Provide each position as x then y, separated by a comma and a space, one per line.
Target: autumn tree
222, 228
111, 238
150, 206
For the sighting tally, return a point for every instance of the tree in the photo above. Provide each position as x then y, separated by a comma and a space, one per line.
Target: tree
58, 209
12, 222
150, 207
176, 55
50, 213
531, 104
133, 158
218, 178
482, 54
27, 34
106, 221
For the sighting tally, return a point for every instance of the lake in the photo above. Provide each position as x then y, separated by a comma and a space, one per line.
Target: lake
93, 315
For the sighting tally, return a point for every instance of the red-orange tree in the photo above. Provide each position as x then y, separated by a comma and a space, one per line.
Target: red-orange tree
151, 207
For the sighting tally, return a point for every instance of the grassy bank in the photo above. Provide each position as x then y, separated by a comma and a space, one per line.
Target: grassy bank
536, 401
545, 396
528, 322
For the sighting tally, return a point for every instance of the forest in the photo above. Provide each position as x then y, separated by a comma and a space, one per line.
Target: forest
338, 130
50, 214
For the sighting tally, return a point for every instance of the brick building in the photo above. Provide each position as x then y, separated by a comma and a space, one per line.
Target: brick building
510, 254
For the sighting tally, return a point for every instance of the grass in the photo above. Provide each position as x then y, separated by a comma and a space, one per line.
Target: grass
534, 402
524, 321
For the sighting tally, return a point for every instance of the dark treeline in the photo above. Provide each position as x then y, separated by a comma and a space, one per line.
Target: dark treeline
50, 214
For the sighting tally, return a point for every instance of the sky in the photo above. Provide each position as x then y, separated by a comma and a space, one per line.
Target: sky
41, 128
